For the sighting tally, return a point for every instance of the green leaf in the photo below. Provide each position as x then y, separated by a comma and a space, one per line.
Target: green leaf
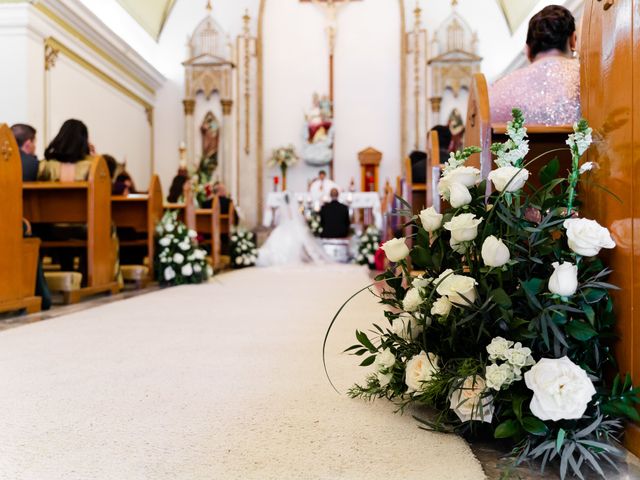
501, 298
364, 340
580, 330
560, 439
550, 171
535, 426
507, 429
420, 256
516, 404
593, 295
590, 313
368, 361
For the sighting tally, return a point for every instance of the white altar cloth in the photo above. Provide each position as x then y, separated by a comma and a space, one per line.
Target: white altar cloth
355, 200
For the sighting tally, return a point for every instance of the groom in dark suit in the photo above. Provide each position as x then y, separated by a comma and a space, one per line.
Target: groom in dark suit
334, 218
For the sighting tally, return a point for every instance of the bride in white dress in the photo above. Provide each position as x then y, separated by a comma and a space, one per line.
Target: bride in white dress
291, 242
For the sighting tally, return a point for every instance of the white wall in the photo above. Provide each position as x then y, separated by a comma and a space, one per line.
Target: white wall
117, 124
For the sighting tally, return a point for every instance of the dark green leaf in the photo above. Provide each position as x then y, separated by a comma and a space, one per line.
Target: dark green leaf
535, 426
501, 298
580, 330
368, 361
507, 429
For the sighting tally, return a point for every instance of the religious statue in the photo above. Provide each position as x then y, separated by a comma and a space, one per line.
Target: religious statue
210, 131
318, 142
456, 126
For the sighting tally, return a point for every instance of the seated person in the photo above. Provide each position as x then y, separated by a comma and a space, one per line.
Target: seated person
176, 190
321, 186
548, 90
67, 156
418, 166
26, 139
334, 218
123, 185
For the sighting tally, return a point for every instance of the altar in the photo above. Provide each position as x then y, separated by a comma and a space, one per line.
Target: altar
367, 201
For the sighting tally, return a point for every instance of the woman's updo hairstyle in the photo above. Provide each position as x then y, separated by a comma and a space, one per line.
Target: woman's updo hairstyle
550, 29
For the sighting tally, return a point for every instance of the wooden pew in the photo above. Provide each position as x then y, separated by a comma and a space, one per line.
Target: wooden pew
18, 256
140, 212
481, 132
610, 97
416, 192
227, 220
186, 209
208, 226
433, 171
87, 203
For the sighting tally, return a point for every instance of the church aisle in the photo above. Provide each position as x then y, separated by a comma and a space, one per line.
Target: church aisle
217, 381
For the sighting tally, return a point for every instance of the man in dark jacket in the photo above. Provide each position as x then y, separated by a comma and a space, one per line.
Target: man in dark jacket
26, 138
334, 218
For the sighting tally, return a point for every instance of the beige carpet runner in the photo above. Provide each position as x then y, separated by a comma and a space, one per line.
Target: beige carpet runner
218, 381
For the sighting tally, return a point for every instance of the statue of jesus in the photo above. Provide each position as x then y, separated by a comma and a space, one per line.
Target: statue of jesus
210, 131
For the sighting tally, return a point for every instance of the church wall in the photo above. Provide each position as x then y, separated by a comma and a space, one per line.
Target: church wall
117, 125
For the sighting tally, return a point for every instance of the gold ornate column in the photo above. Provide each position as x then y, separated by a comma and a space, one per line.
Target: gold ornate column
189, 105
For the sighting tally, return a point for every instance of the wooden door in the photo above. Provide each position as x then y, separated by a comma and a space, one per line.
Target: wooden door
610, 88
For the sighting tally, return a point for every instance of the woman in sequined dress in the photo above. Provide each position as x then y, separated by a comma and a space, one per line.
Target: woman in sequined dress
548, 89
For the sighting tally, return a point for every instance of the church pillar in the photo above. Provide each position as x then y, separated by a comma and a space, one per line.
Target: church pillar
225, 164
189, 107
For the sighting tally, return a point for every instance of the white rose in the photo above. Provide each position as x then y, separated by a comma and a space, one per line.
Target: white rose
383, 363
454, 287
178, 258
467, 176
499, 375
494, 252
519, 357
165, 241
412, 300
169, 274
395, 249
431, 220
184, 246
564, 279
458, 247
187, 270
197, 268
468, 402
441, 307
169, 227
238, 260
587, 237
192, 234
510, 178
420, 369
371, 259
459, 195
463, 227
561, 389
406, 328
498, 348
421, 282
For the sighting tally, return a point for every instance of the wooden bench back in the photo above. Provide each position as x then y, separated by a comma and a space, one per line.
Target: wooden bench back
11, 218
208, 225
610, 97
87, 203
433, 170
140, 211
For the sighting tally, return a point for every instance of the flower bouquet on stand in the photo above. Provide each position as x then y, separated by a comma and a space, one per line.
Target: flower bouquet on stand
179, 261
368, 244
243, 248
283, 158
315, 223
509, 330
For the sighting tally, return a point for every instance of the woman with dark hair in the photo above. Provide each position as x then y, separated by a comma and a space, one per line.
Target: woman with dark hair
67, 156
548, 89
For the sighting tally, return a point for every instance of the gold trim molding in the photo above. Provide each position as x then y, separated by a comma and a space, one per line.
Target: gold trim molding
52, 43
50, 57
47, 12
189, 106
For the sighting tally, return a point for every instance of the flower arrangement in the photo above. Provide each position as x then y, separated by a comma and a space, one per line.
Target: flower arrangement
179, 261
243, 248
368, 244
283, 158
508, 329
315, 223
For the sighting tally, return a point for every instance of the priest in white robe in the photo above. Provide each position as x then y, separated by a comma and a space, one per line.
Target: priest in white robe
321, 187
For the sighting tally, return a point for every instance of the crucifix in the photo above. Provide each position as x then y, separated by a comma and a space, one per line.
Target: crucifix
331, 8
